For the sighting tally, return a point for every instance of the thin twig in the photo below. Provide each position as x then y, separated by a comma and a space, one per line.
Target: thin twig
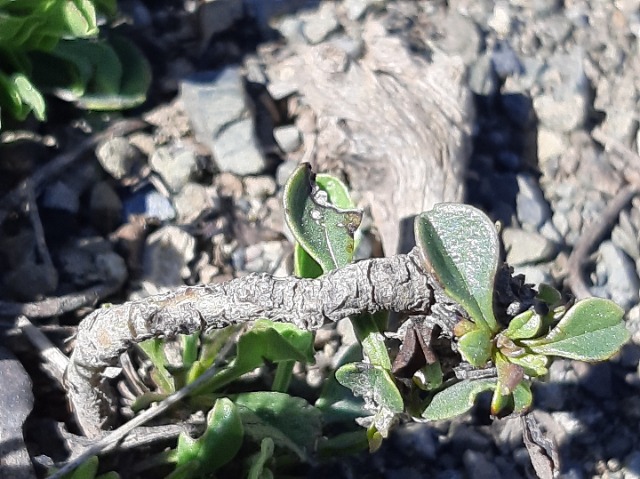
54, 361
599, 228
110, 441
54, 306
36, 224
592, 236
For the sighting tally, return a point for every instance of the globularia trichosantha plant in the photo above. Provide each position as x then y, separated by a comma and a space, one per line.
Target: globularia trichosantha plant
461, 335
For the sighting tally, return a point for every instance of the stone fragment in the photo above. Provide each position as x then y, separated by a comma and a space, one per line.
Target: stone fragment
193, 200
505, 61
478, 466
263, 257
524, 247
460, 37
418, 439
532, 208
318, 26
175, 164
356, 9
287, 137
259, 187
617, 272
551, 144
221, 116
59, 196
482, 77
118, 157
149, 203
564, 104
168, 251
236, 149
501, 21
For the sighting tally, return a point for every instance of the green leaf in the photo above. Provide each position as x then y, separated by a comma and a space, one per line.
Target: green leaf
457, 399
548, 294
336, 189
374, 384
460, 246
336, 402
218, 444
154, 350
509, 376
304, 266
80, 17
534, 365
291, 422
475, 347
258, 469
526, 325
322, 229
86, 470
273, 342
211, 344
265, 341
29, 95
592, 330
429, 377
522, 398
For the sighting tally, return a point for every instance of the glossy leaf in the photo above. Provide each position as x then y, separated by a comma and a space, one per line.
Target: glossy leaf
219, 443
592, 330
303, 264
322, 229
526, 325
457, 399
429, 377
29, 95
291, 422
475, 347
460, 246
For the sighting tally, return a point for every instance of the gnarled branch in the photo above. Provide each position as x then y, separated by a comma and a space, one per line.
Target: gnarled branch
399, 283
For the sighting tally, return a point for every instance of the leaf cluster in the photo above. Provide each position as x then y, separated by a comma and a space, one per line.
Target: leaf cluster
53, 46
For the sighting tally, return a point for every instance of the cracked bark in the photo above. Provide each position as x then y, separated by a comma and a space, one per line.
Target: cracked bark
399, 283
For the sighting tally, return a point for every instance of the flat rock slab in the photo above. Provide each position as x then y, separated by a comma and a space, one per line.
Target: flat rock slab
220, 114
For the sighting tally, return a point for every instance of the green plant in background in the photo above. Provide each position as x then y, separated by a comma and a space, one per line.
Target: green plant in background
53, 46
89, 470
259, 434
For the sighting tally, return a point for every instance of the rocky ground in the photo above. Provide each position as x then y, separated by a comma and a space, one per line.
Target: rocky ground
540, 130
